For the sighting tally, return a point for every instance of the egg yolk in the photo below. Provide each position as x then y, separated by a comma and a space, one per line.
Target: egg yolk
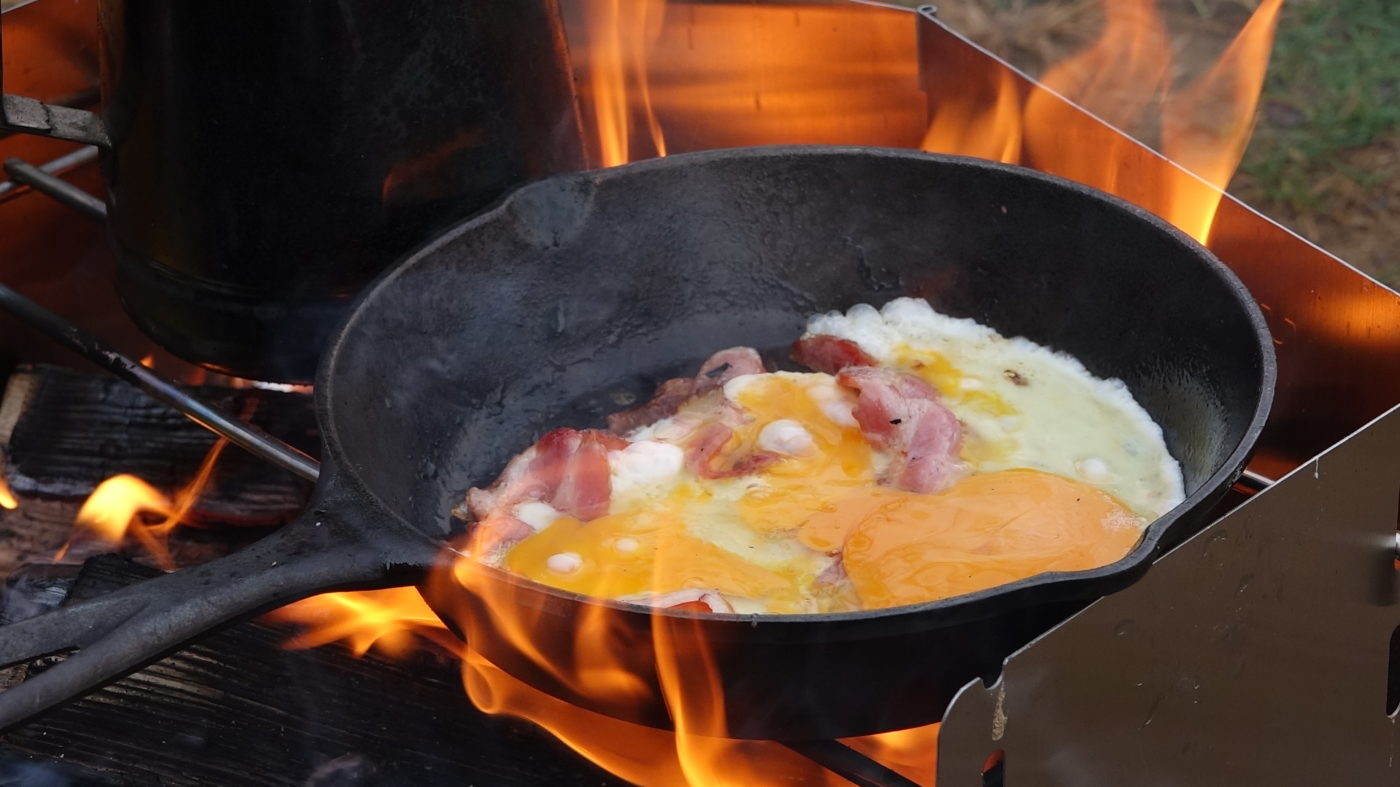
984, 531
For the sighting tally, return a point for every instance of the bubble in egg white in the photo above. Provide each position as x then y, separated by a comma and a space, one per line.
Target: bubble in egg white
1093, 469
645, 463
786, 436
537, 514
835, 403
564, 562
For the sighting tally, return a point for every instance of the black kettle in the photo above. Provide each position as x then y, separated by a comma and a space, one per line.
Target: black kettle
264, 159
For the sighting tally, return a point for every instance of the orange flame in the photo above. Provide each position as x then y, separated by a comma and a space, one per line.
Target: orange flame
7, 498
734, 74
388, 620
1119, 75
607, 664
744, 74
1206, 126
1124, 80
118, 507
981, 124
617, 87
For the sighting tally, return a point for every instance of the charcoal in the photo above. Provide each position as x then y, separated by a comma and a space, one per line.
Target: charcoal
35, 589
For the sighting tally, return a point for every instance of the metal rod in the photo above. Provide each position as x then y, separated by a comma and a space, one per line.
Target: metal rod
57, 166
849, 764
246, 436
1254, 482
58, 188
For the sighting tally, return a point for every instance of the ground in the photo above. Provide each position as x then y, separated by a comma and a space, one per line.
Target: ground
1325, 157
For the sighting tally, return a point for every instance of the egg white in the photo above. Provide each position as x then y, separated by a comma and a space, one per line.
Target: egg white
1061, 420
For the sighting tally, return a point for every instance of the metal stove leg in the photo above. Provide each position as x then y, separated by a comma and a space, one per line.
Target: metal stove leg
849, 764
58, 188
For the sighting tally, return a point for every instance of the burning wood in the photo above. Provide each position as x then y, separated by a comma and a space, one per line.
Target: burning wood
115, 512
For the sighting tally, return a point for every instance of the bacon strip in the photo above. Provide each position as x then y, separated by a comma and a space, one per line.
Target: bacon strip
826, 353
900, 413
577, 465
567, 468
719, 369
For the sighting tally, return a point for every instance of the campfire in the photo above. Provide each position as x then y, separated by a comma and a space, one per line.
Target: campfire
656, 78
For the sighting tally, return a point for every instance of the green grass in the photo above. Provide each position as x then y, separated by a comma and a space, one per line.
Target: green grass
1334, 84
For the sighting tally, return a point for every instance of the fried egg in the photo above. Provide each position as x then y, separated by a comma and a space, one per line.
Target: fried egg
1061, 471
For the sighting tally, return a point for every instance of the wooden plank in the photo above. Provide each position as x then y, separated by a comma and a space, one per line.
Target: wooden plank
237, 709
33, 532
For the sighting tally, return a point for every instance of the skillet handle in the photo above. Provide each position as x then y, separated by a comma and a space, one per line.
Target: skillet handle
122, 631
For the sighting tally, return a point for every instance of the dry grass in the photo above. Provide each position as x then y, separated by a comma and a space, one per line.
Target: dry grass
1029, 33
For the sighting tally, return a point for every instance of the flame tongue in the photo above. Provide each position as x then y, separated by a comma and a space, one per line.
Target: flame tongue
695, 754
1206, 126
1124, 79
118, 508
7, 498
617, 88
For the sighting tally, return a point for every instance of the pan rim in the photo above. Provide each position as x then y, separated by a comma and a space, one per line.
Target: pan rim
1056, 585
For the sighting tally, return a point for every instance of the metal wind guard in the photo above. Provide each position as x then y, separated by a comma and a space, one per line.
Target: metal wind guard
1257, 652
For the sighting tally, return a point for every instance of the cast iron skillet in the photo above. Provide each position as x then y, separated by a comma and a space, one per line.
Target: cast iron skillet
540, 312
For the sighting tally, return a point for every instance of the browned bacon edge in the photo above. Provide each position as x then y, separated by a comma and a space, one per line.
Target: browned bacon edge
719, 369
826, 353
